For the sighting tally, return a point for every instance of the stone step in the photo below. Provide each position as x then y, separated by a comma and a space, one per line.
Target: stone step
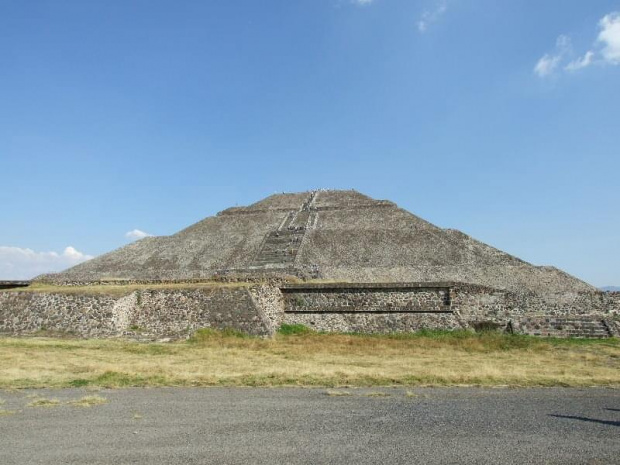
282, 256
280, 247
276, 247
554, 326
276, 250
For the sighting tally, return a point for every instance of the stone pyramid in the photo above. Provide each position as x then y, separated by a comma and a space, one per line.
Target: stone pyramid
334, 235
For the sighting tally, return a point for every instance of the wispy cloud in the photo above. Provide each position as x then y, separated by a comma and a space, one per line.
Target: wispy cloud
19, 263
431, 16
606, 50
582, 62
549, 62
136, 234
362, 2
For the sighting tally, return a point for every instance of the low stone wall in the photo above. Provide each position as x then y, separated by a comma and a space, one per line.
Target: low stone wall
175, 314
394, 307
83, 315
374, 323
552, 326
479, 303
612, 301
369, 308
260, 309
144, 314
13, 284
359, 298
270, 301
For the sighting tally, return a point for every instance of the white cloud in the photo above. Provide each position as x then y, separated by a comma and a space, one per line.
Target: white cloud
547, 65
550, 61
136, 234
610, 37
582, 62
18, 263
431, 16
362, 2
606, 50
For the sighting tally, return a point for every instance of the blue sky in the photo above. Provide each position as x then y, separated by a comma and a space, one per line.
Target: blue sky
501, 119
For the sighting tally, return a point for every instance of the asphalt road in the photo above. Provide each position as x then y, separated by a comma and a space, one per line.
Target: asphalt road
249, 425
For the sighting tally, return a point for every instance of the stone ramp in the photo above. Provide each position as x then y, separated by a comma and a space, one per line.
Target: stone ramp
280, 247
555, 326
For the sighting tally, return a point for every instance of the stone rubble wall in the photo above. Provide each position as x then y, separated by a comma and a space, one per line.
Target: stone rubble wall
612, 300
614, 327
479, 303
123, 310
82, 315
270, 301
260, 309
552, 326
369, 308
374, 322
395, 307
179, 313
354, 300
143, 314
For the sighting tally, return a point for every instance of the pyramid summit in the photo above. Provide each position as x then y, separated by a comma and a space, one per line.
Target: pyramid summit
324, 234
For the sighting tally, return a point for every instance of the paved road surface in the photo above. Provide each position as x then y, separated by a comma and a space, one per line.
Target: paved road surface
290, 426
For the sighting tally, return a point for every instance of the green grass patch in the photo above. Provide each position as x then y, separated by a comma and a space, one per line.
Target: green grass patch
78, 382
487, 340
293, 330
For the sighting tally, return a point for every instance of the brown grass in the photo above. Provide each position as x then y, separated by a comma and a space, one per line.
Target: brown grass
334, 393
88, 401
376, 394
42, 402
120, 289
213, 359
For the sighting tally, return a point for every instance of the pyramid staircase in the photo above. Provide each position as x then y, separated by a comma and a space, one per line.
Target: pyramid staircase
280, 247
555, 326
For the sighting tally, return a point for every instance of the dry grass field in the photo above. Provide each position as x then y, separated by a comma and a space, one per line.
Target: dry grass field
121, 288
299, 358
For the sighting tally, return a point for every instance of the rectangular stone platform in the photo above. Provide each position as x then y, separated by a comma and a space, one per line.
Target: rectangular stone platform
367, 298
13, 284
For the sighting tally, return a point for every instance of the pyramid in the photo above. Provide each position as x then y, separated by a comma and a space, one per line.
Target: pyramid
341, 236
